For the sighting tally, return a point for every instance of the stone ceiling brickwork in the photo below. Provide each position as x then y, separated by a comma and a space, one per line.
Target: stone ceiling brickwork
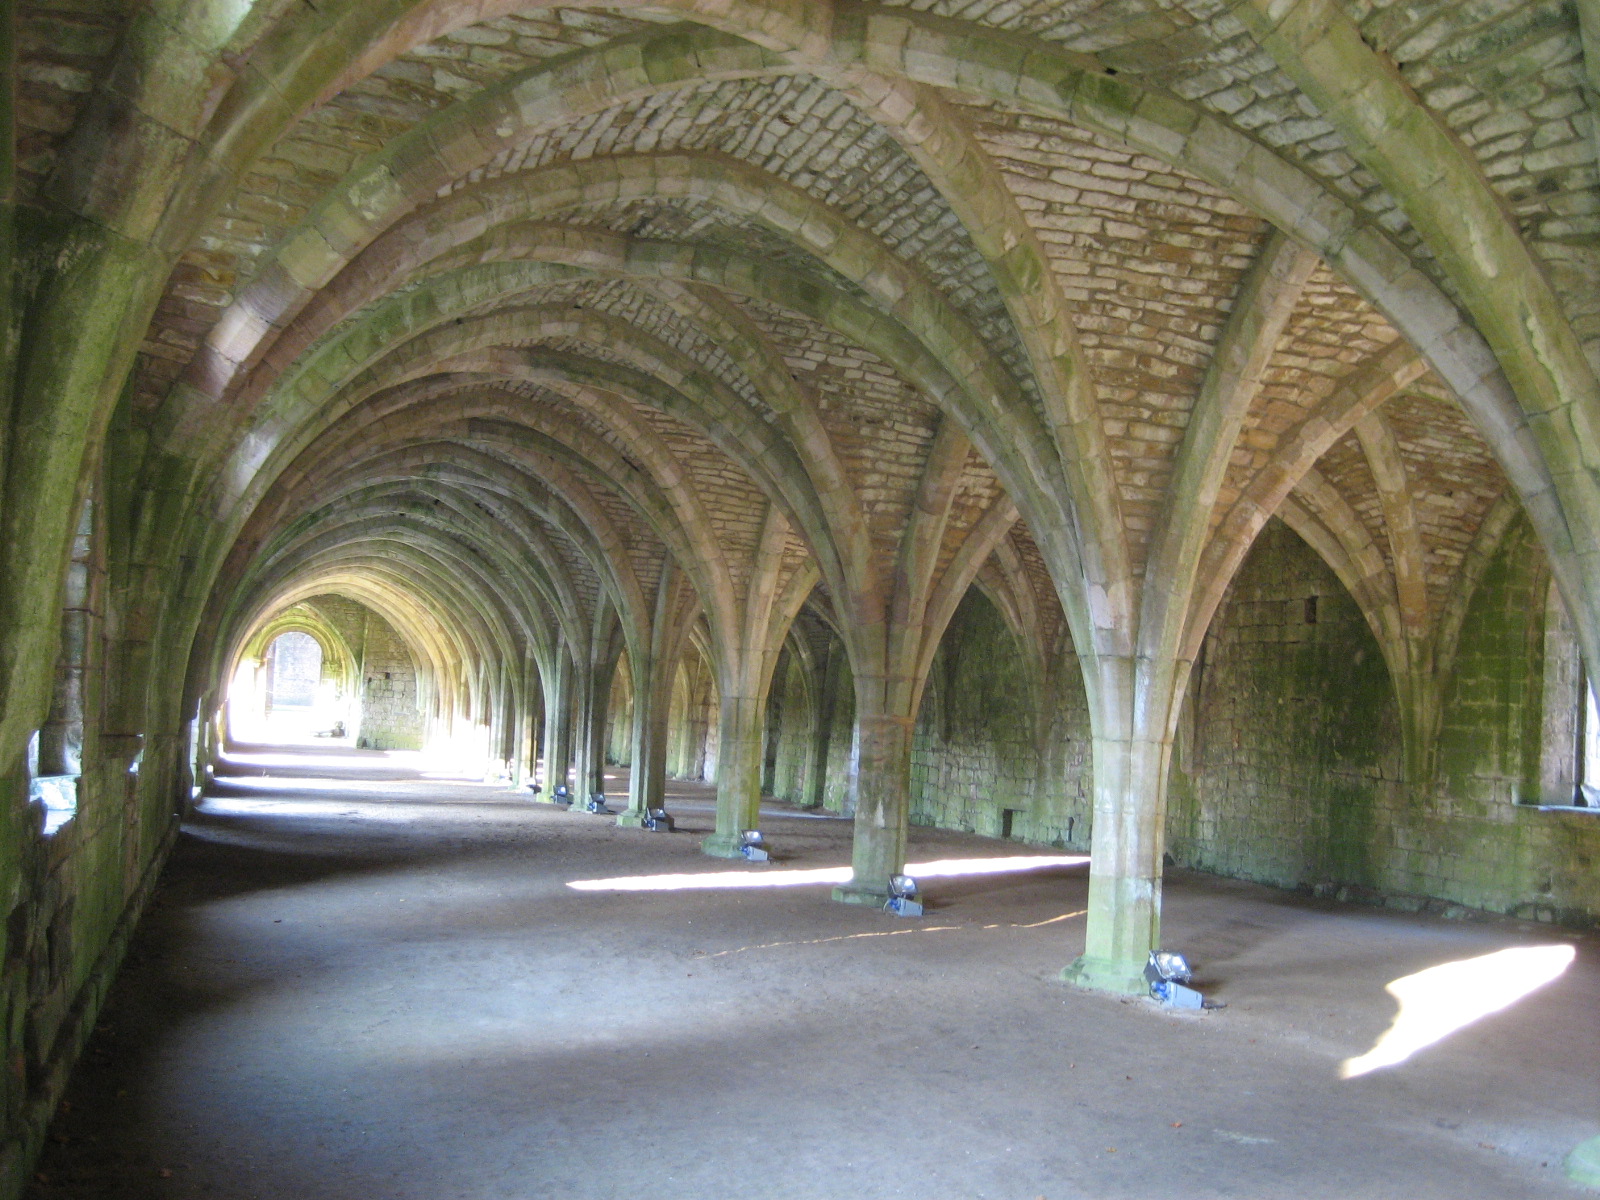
1146, 264
664, 327
905, 290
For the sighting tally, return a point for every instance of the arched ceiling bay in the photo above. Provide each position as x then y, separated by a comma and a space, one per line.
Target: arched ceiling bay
531, 301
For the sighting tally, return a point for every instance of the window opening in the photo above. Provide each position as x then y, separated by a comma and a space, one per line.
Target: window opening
1587, 792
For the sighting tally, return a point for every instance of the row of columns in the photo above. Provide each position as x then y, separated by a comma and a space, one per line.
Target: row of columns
1130, 769
574, 745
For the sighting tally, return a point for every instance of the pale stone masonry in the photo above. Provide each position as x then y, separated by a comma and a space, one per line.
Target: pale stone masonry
1166, 430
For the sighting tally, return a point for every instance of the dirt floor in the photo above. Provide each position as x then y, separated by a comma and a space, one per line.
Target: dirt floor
384, 987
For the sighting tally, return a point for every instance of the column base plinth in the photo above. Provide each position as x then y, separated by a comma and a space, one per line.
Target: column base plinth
722, 845
865, 896
1117, 976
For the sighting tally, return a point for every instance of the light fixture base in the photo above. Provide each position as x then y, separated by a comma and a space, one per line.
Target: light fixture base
903, 906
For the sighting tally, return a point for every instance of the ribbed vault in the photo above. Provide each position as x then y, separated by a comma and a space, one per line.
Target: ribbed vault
616, 333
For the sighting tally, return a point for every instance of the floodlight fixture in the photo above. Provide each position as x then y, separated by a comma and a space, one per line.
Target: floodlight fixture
1167, 966
658, 820
597, 803
903, 898
753, 846
1168, 972
562, 794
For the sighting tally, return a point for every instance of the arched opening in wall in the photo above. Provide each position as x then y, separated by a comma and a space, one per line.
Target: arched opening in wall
693, 731
787, 758
1287, 766
975, 758
619, 715
295, 679
60, 739
810, 717
1588, 793
297, 701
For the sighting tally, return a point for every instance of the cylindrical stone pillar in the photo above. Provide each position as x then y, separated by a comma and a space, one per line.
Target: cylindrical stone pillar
1124, 920
882, 788
738, 773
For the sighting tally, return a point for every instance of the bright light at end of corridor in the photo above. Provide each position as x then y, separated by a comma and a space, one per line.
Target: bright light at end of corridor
268, 758
819, 875
1440, 1000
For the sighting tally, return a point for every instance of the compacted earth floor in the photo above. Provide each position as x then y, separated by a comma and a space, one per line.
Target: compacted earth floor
359, 981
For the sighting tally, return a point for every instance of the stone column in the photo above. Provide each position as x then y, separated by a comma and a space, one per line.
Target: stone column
1129, 838
589, 734
826, 684
524, 753
647, 785
738, 773
882, 786
507, 714
557, 726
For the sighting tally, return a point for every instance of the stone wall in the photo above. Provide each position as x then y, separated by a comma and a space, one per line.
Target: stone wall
693, 733
74, 881
619, 716
1288, 764
972, 757
988, 742
391, 716
1000, 750
840, 753
791, 729
1483, 839
1288, 767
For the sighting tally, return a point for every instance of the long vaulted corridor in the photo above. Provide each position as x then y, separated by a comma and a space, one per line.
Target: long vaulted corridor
379, 986
1157, 436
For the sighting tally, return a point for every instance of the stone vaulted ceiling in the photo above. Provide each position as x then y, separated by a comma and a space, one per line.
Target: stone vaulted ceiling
544, 327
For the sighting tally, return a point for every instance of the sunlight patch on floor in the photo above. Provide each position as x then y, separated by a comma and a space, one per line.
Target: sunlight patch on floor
796, 877
1441, 1000
310, 761
878, 933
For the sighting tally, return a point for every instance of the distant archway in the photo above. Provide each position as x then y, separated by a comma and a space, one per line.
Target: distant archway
293, 677
295, 681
